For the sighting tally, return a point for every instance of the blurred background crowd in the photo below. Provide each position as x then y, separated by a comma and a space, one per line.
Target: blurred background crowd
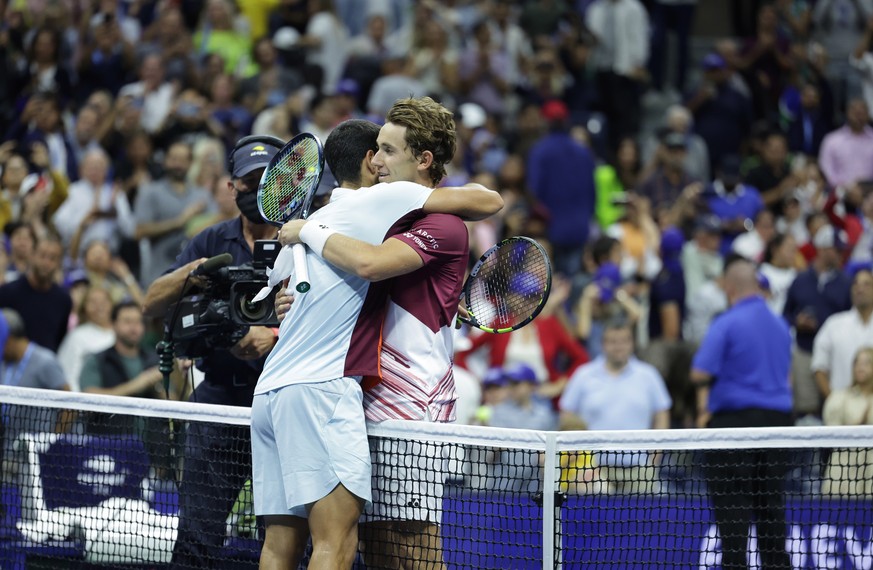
643, 142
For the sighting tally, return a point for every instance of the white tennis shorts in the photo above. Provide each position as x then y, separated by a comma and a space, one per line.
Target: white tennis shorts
407, 481
307, 439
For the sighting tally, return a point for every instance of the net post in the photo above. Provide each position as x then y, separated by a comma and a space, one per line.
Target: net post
551, 558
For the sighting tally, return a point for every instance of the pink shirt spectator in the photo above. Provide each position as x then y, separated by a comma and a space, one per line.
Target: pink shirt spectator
847, 157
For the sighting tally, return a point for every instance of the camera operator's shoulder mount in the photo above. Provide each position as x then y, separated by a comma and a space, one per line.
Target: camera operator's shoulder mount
220, 315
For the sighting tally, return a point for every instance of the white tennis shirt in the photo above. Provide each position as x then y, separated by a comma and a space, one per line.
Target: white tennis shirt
331, 331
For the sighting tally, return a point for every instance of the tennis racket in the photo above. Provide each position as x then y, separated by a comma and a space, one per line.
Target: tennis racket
286, 191
508, 286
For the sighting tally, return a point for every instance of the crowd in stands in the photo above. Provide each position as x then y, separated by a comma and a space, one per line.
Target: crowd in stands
641, 173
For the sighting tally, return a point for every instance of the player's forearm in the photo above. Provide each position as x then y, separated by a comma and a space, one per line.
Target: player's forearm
470, 202
166, 290
370, 262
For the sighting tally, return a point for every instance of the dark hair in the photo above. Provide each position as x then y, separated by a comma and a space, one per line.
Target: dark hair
772, 245
125, 304
346, 147
602, 248
733, 258
429, 127
15, 323
13, 226
618, 323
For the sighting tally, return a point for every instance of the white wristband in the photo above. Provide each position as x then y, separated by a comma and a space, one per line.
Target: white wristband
315, 236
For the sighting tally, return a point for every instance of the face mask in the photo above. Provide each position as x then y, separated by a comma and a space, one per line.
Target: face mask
247, 202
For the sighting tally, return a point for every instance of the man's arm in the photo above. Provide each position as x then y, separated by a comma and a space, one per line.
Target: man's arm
470, 202
701, 380
568, 421
371, 262
168, 288
150, 378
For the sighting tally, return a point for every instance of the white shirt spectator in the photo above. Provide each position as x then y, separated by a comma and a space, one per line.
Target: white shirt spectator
700, 308
83, 197
156, 104
865, 71
84, 340
780, 280
836, 343
622, 30
332, 52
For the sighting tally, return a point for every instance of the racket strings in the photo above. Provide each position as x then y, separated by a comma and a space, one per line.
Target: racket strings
287, 185
510, 285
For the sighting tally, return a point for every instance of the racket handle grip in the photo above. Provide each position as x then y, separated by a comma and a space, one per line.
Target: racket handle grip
301, 270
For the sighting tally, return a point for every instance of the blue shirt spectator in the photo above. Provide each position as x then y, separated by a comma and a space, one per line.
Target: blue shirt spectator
747, 352
731, 201
561, 176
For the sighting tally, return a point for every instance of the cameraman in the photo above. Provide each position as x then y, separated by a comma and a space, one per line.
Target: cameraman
218, 458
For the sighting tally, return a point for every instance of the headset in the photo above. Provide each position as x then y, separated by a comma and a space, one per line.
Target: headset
264, 139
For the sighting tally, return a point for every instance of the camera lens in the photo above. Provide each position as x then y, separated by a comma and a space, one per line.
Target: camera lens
252, 311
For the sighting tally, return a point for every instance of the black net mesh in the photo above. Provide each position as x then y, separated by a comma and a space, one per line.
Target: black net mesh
110, 490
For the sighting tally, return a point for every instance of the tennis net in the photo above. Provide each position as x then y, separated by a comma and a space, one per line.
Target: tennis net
97, 481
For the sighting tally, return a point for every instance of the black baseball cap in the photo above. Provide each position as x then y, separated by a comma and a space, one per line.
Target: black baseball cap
251, 157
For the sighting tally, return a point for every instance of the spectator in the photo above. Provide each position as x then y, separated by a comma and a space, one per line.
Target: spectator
14, 173
841, 336
272, 83
85, 133
483, 70
849, 470
124, 368
513, 41
840, 27
326, 41
808, 126
847, 153
862, 61
44, 71
40, 122
218, 35
815, 295
722, 113
734, 203
621, 28
814, 221
666, 350
322, 117
236, 120
765, 61
226, 208
151, 93
136, 167
779, 266
640, 240
773, 178
42, 304
164, 208
95, 209
702, 261
397, 81
436, 62
93, 334
168, 37
613, 180
742, 374
618, 392
106, 60
522, 409
28, 365
110, 273
679, 120
556, 164
494, 391
752, 243
677, 16
603, 300
21, 239
669, 176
